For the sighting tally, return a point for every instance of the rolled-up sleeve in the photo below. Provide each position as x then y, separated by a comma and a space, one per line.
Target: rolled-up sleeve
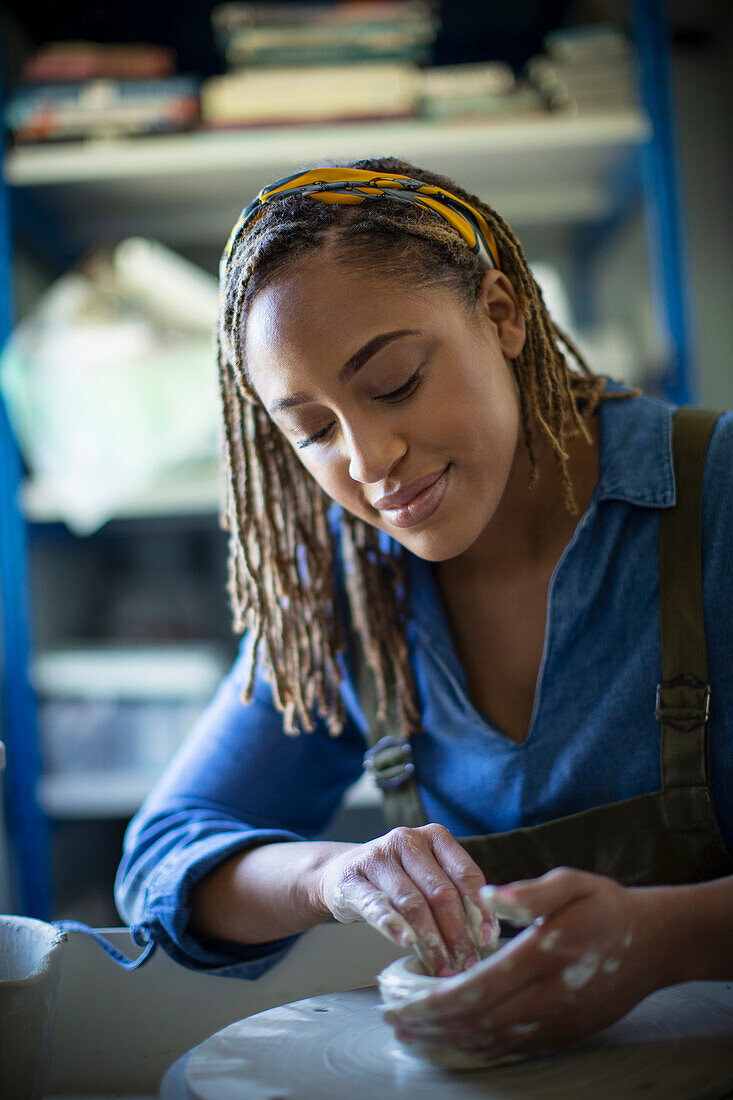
238, 782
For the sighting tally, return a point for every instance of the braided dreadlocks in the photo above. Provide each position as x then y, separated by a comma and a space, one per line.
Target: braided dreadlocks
281, 546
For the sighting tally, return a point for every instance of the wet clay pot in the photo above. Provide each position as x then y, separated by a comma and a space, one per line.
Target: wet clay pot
406, 979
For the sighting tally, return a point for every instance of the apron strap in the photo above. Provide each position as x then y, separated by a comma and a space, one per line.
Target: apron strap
389, 758
683, 695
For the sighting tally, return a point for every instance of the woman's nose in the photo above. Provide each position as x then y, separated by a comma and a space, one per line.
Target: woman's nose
372, 452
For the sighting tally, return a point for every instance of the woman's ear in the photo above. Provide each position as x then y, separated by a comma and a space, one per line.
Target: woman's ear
498, 302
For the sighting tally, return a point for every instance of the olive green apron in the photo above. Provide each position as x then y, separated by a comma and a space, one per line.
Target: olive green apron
668, 836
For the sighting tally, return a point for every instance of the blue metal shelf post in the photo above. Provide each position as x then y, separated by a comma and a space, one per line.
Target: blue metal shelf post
28, 828
660, 180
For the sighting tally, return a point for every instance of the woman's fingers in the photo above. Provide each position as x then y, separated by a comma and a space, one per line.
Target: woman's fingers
536, 1002
357, 899
387, 898
516, 967
377, 911
483, 927
415, 902
446, 882
417, 879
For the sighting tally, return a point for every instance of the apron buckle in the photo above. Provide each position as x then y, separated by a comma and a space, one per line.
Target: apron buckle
683, 703
390, 762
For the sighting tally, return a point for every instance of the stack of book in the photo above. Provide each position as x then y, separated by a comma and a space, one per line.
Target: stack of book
76, 90
590, 68
253, 34
318, 62
484, 89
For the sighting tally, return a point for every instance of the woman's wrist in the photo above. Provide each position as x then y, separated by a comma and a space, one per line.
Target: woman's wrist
689, 930
266, 893
311, 883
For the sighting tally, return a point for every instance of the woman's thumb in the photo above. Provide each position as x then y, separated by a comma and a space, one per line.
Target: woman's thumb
523, 902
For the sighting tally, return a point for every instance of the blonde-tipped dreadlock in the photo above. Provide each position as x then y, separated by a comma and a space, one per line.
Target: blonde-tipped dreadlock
281, 552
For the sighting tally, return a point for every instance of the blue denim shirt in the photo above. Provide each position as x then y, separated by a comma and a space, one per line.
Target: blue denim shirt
240, 781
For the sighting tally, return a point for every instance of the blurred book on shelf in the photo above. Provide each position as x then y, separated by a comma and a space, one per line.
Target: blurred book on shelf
476, 90
55, 62
322, 33
592, 42
102, 108
323, 62
589, 68
323, 93
77, 90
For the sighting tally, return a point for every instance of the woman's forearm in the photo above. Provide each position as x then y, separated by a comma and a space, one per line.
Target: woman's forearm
705, 912
693, 929
262, 894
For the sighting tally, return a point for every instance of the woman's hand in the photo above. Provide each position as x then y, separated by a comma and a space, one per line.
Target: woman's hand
591, 951
419, 888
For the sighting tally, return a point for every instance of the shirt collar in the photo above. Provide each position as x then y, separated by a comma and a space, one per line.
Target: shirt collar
635, 465
635, 459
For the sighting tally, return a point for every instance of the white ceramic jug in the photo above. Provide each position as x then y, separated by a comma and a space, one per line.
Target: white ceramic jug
30, 959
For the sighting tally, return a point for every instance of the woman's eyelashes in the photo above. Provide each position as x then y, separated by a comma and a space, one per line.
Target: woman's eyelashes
314, 438
402, 391
393, 397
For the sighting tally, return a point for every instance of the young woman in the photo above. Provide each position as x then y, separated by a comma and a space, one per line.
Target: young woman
421, 486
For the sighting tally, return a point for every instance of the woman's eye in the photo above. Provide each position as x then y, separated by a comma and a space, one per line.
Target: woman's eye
316, 437
393, 396
403, 391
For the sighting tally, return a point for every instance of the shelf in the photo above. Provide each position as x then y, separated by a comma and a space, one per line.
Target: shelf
188, 188
170, 672
119, 794
197, 495
93, 794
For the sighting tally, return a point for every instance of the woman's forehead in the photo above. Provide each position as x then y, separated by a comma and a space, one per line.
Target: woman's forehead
331, 308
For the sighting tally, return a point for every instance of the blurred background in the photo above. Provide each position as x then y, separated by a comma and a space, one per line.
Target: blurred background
599, 129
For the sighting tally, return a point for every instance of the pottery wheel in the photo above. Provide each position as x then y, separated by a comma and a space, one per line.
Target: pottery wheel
675, 1045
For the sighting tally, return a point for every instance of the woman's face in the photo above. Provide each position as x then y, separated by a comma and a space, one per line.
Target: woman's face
400, 402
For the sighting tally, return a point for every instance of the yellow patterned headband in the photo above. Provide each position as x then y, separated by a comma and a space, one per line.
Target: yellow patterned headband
355, 185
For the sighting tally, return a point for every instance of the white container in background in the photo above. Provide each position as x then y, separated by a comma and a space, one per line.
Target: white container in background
30, 958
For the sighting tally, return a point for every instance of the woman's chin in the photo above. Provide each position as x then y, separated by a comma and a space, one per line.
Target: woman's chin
436, 545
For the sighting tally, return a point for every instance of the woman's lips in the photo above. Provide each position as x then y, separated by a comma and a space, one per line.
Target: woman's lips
422, 506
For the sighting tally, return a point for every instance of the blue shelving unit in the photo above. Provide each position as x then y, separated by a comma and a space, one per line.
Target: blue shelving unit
27, 826
661, 185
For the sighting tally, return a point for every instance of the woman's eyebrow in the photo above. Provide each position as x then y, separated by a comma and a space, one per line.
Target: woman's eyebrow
357, 361
350, 367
